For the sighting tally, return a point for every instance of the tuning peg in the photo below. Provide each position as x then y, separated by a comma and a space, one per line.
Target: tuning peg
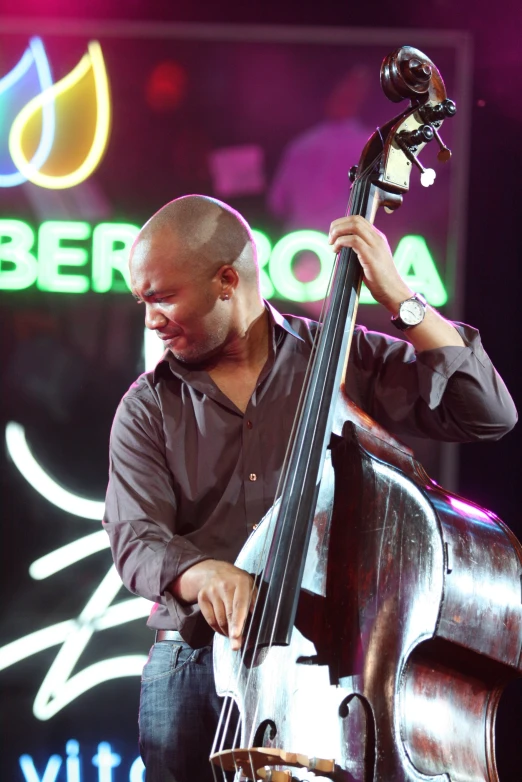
414, 138
448, 107
352, 174
444, 153
428, 177
427, 174
439, 112
407, 141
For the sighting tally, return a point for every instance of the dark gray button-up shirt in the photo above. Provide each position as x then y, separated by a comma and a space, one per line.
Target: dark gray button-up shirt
190, 474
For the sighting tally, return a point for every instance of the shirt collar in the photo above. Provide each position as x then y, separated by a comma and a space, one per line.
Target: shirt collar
277, 322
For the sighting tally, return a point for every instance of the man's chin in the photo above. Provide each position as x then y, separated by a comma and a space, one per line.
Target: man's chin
193, 356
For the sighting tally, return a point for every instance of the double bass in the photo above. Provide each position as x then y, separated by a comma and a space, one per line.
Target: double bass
388, 617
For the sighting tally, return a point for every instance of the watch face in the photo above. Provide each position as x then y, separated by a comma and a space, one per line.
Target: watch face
411, 312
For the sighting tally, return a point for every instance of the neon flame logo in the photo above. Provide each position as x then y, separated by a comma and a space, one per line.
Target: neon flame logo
55, 134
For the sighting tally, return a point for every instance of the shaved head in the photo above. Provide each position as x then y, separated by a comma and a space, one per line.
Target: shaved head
210, 232
194, 266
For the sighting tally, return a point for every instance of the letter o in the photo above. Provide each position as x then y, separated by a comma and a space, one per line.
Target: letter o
281, 260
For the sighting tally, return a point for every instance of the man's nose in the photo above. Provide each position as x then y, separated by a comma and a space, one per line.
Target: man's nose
154, 319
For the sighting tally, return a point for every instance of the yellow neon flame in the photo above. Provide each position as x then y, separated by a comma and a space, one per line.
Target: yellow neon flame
92, 59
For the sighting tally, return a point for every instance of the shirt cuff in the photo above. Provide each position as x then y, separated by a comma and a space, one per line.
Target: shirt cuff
435, 367
189, 621
180, 555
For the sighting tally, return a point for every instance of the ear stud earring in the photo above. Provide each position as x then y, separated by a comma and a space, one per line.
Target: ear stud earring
225, 296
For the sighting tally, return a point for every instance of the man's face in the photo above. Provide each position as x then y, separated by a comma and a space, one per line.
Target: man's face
181, 297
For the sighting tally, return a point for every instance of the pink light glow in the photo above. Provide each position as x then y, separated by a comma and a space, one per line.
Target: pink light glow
469, 510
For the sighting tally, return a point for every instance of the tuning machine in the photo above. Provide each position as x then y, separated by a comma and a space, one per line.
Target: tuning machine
434, 116
408, 141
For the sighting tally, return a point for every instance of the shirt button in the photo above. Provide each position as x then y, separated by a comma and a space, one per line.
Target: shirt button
253, 476
249, 424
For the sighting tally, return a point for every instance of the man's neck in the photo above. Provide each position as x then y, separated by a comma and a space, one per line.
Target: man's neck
240, 365
248, 346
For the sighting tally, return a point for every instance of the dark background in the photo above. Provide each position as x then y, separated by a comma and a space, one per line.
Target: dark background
489, 473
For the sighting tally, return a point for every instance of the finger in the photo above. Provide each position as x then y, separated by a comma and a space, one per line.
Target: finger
253, 598
356, 225
214, 613
354, 242
221, 613
208, 613
347, 220
239, 611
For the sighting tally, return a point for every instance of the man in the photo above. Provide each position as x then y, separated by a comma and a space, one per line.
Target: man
197, 445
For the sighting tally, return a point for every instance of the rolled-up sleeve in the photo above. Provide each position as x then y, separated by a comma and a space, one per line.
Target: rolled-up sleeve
140, 508
452, 394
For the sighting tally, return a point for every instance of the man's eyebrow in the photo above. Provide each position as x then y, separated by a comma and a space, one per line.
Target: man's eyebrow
148, 295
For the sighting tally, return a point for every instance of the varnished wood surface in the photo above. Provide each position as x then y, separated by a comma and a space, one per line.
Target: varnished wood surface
395, 665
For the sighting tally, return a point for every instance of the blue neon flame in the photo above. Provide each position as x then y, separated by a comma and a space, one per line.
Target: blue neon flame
17, 88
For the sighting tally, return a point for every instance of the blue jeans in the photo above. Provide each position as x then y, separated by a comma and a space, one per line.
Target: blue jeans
179, 713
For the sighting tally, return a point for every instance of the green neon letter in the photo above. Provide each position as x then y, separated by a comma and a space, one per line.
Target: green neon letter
417, 267
15, 251
51, 255
264, 249
106, 257
286, 283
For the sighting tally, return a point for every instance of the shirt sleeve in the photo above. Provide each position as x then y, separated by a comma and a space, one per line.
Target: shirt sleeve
452, 394
140, 509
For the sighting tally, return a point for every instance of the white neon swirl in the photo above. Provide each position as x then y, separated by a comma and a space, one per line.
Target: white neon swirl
60, 688
106, 670
42, 482
35, 642
121, 613
35, 53
67, 555
153, 349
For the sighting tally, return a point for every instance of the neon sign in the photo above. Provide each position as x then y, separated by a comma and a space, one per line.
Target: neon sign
44, 142
105, 761
28, 258
110, 245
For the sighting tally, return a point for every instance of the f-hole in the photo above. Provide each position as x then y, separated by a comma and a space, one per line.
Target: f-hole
359, 730
508, 747
265, 734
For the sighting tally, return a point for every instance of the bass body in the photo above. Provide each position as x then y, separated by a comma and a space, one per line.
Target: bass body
409, 626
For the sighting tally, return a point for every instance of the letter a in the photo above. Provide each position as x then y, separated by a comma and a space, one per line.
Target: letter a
416, 266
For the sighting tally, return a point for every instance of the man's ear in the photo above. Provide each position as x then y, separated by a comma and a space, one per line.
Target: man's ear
229, 279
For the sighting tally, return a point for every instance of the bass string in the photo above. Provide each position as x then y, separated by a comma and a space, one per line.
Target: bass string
364, 175
228, 705
260, 574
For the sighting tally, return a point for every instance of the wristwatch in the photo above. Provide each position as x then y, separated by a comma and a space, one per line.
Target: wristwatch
411, 312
